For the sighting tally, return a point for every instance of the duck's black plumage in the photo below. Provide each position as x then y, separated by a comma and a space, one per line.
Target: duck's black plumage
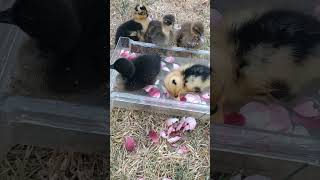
197, 70
140, 72
72, 33
126, 29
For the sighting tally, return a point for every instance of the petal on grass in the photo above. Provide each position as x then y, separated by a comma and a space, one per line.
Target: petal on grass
174, 139
163, 134
190, 123
171, 121
182, 149
153, 135
129, 144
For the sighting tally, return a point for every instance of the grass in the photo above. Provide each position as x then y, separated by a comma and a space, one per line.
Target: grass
29, 162
157, 161
154, 161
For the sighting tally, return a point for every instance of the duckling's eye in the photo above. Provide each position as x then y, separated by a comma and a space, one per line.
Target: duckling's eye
174, 82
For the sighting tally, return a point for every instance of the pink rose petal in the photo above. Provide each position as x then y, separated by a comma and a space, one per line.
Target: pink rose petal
190, 123
124, 54
165, 68
306, 109
171, 121
170, 130
166, 178
153, 135
193, 98
181, 124
148, 88
169, 59
182, 149
163, 64
163, 134
175, 66
132, 56
129, 144
279, 118
205, 96
154, 92
174, 139
141, 178
183, 98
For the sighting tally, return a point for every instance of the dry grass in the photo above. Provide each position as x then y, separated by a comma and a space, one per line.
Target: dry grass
28, 162
184, 10
154, 161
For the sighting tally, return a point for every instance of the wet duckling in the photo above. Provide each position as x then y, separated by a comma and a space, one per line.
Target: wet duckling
138, 73
191, 35
188, 78
136, 27
160, 33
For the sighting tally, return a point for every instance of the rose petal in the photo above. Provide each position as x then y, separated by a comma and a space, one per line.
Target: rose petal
153, 135
205, 96
170, 130
166, 178
234, 119
174, 139
171, 121
183, 98
154, 92
307, 109
175, 66
132, 56
181, 125
163, 64
129, 144
169, 59
193, 98
163, 134
124, 54
165, 68
148, 88
182, 149
190, 123
141, 178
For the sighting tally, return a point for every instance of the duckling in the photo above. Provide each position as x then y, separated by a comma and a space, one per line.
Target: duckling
187, 78
136, 27
191, 35
138, 73
268, 56
70, 35
160, 33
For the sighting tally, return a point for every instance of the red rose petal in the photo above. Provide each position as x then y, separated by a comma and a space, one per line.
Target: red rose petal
153, 135
148, 88
132, 56
190, 123
183, 98
129, 144
234, 119
163, 134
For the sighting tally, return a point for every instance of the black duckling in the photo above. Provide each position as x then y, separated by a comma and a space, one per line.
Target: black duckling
138, 73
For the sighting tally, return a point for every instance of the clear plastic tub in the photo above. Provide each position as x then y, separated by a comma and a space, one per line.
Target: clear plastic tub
140, 99
33, 116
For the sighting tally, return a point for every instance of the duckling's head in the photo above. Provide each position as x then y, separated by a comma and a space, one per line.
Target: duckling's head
169, 20
140, 12
125, 67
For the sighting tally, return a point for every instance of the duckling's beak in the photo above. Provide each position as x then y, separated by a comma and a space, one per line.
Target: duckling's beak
6, 17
